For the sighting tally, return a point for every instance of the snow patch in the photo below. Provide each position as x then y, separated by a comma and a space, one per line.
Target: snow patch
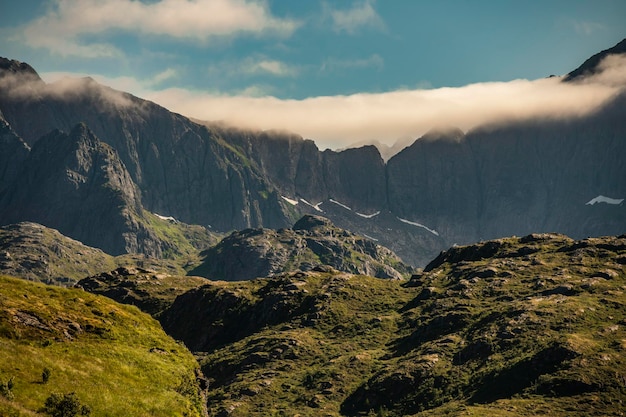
289, 200
168, 218
603, 199
368, 216
339, 204
434, 232
315, 206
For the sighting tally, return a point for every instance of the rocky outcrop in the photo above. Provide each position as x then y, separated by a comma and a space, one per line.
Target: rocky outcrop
77, 185
38, 253
313, 242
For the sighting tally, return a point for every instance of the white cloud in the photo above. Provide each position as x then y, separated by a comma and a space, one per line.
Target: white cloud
612, 71
65, 87
373, 61
128, 84
259, 65
338, 121
272, 67
585, 27
361, 15
67, 21
164, 75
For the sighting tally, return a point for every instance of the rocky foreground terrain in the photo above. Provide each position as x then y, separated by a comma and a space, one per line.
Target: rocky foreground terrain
509, 327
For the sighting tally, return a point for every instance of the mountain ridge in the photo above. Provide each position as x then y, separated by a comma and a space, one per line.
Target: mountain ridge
467, 189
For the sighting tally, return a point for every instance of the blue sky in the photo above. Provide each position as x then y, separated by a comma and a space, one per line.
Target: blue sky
288, 53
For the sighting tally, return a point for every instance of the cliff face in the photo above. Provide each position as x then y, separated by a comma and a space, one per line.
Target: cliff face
183, 169
299, 169
13, 152
517, 178
447, 188
76, 184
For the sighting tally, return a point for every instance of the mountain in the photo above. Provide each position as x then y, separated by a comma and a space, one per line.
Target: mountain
183, 170
592, 65
38, 253
514, 326
448, 187
313, 242
66, 346
13, 153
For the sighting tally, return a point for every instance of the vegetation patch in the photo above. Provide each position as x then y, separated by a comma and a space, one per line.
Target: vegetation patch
66, 348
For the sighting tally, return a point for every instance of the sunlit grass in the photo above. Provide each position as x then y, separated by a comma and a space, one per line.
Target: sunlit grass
120, 362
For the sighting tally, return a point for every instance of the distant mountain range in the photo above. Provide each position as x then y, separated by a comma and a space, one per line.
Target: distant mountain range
108, 169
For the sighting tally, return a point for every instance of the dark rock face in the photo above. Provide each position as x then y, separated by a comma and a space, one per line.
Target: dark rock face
516, 179
434, 182
447, 188
312, 242
299, 170
77, 185
182, 169
13, 152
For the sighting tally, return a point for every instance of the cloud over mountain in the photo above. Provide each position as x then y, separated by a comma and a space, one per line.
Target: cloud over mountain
338, 121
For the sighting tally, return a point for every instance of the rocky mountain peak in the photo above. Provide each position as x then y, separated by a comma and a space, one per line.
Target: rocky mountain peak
11, 66
313, 243
591, 65
312, 222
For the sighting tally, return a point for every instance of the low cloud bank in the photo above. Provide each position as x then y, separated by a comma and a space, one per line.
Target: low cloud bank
338, 121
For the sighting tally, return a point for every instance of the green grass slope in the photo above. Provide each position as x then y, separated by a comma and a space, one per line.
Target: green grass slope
289, 345
512, 327
116, 359
516, 327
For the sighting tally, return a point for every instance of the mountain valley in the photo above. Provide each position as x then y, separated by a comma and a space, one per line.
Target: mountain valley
151, 264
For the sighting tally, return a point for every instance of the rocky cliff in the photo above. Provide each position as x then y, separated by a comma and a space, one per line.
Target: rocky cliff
312, 243
448, 187
183, 169
78, 185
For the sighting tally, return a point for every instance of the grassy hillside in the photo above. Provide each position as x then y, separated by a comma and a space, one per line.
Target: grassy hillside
513, 327
116, 359
291, 345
